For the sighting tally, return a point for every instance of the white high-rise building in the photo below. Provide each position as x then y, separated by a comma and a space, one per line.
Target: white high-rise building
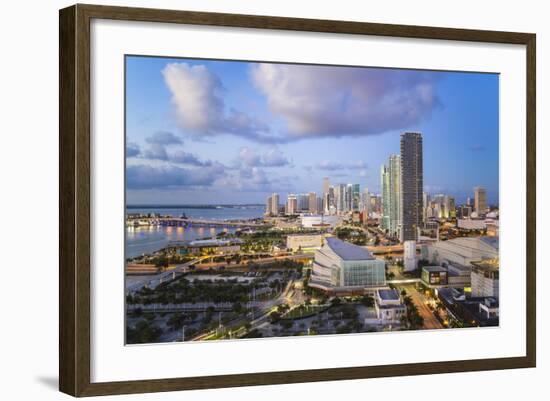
326, 196
275, 204
365, 202
319, 205
341, 202
425, 205
291, 204
312, 197
268, 203
395, 195
303, 202
409, 255
348, 198
385, 207
450, 207
480, 201
391, 196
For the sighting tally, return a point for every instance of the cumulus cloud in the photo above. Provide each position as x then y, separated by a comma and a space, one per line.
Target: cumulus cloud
164, 138
272, 158
132, 149
250, 157
182, 157
197, 95
155, 151
167, 177
259, 177
319, 101
256, 179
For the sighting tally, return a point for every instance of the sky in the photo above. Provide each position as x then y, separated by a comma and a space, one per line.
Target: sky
233, 132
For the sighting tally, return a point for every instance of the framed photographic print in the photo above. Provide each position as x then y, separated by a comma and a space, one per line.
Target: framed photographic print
250, 200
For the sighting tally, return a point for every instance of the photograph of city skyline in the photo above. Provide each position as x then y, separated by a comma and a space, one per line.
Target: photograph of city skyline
275, 200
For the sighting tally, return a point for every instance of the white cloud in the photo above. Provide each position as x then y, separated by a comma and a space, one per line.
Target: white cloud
197, 95
132, 149
272, 158
317, 101
155, 151
250, 157
164, 138
163, 177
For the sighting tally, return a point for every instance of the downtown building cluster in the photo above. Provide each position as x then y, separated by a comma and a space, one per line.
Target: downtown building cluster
402, 183
406, 208
336, 199
402, 209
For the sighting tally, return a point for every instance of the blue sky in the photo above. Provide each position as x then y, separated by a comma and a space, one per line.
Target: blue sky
203, 131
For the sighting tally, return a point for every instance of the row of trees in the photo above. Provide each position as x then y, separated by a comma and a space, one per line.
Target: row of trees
355, 236
184, 291
412, 319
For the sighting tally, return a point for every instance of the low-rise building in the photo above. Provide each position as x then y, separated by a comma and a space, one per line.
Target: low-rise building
462, 251
295, 242
458, 276
320, 221
471, 224
489, 308
389, 307
470, 311
434, 276
485, 278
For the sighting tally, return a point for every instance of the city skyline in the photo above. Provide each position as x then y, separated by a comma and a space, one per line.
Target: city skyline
207, 132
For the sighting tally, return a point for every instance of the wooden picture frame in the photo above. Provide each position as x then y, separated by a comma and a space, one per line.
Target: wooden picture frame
75, 207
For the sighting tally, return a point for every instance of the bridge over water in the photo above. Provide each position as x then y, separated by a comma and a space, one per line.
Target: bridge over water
180, 221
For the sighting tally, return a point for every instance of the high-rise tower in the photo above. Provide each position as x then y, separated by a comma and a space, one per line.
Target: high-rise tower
480, 200
412, 183
395, 195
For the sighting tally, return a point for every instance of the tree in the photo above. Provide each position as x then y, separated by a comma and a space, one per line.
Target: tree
335, 301
418, 321
367, 301
275, 317
176, 321
286, 324
237, 307
142, 332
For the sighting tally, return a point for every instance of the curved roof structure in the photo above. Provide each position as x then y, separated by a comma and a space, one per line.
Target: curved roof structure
347, 251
